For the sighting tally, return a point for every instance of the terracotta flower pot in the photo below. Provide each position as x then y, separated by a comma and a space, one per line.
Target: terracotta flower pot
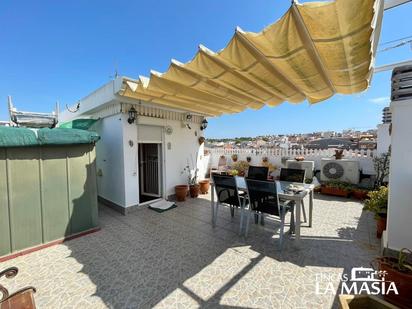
194, 190
334, 191
380, 227
181, 192
360, 194
204, 186
402, 280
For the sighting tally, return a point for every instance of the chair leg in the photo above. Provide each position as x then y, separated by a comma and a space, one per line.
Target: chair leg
242, 213
262, 219
304, 212
249, 214
232, 211
256, 218
215, 218
292, 221
282, 227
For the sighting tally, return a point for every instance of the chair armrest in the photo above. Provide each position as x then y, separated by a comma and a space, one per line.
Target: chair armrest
22, 298
8, 273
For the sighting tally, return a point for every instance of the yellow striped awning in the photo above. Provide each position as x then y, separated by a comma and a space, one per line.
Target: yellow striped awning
315, 50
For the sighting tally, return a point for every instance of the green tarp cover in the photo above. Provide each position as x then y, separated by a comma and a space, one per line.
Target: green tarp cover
62, 136
83, 124
23, 137
17, 137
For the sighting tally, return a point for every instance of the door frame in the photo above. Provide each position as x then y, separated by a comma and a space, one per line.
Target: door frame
159, 171
163, 159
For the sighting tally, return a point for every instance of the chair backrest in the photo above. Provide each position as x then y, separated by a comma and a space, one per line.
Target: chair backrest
292, 175
258, 172
226, 189
263, 196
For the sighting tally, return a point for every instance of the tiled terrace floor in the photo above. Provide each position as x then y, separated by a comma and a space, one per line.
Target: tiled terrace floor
177, 260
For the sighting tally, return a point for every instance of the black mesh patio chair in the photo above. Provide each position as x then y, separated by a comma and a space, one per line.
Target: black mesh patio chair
263, 198
227, 193
258, 172
294, 175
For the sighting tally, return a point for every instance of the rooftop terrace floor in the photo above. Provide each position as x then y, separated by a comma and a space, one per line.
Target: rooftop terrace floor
178, 260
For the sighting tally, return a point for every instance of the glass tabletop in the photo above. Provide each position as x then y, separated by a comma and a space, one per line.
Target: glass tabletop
283, 187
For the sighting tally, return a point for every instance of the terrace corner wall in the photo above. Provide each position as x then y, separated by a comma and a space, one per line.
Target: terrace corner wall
400, 178
109, 159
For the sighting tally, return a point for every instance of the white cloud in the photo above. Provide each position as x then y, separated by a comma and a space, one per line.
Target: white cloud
380, 100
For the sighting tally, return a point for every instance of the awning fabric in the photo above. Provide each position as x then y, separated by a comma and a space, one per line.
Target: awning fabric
315, 50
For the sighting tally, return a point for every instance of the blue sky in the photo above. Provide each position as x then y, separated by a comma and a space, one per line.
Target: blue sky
63, 50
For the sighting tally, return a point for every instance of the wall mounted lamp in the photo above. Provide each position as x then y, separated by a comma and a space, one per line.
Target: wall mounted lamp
204, 124
132, 115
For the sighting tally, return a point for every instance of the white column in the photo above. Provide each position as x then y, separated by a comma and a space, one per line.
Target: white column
384, 139
399, 224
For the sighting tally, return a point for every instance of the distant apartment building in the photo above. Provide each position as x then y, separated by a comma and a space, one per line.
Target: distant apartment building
386, 115
326, 143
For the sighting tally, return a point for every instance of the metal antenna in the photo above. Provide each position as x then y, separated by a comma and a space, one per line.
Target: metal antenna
74, 110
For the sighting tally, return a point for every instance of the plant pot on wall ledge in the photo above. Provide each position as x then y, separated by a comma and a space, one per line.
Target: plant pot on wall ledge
204, 186
360, 194
194, 190
181, 192
398, 271
380, 227
334, 191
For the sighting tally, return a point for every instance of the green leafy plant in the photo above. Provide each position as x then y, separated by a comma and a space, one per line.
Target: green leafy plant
381, 165
403, 264
191, 171
339, 185
240, 166
233, 172
377, 202
361, 190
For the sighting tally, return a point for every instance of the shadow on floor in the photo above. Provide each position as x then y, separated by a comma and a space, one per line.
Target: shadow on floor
177, 258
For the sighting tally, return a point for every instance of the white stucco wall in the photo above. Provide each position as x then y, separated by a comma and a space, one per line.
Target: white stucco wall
109, 163
384, 139
183, 144
399, 230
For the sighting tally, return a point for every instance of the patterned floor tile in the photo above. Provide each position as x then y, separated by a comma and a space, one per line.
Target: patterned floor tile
178, 260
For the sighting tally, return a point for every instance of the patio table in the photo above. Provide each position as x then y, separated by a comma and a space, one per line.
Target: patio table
283, 193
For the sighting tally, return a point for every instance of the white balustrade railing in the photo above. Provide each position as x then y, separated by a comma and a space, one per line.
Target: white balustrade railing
278, 157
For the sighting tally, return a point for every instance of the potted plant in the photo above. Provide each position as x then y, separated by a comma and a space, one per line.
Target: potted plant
191, 173
241, 167
360, 193
338, 154
336, 188
377, 202
399, 271
181, 192
234, 157
233, 172
204, 186
381, 165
